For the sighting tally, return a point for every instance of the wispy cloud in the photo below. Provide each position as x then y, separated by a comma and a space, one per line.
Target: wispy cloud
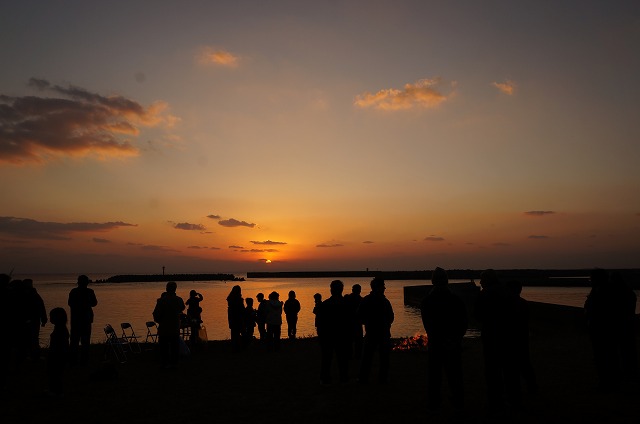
539, 213
156, 248
213, 216
330, 245
235, 223
508, 87
259, 250
422, 94
538, 237
189, 227
218, 57
236, 247
367, 242
433, 238
268, 242
30, 228
76, 123
101, 240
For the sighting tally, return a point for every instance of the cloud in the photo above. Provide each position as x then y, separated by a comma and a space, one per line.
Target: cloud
422, 94
213, 216
268, 242
236, 247
101, 240
235, 223
535, 237
189, 227
195, 247
539, 213
433, 238
259, 250
214, 248
508, 87
30, 228
74, 123
330, 245
367, 242
154, 248
218, 57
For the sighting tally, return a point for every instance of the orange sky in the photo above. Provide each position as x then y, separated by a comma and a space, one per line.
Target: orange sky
210, 137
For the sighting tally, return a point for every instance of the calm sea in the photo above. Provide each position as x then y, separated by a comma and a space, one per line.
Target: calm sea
134, 302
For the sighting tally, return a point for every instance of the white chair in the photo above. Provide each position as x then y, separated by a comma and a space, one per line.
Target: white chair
152, 332
130, 336
114, 344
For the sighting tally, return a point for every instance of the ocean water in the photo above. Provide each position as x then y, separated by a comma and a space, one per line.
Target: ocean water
134, 302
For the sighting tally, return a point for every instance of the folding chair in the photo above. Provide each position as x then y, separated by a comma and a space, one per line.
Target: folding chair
185, 328
114, 344
152, 332
130, 336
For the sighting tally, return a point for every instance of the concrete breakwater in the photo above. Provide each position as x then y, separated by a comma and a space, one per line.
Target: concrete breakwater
144, 278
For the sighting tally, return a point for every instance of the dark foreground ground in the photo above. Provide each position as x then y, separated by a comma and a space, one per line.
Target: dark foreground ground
216, 386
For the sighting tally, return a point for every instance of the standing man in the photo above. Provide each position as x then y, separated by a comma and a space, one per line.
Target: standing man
167, 315
334, 337
377, 316
261, 317
291, 310
81, 302
353, 301
445, 320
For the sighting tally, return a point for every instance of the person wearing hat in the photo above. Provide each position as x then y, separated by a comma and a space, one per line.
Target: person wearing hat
444, 317
376, 313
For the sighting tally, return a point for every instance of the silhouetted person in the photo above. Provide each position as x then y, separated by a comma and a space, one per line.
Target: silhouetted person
261, 316
35, 316
493, 311
194, 315
291, 310
235, 315
58, 354
5, 330
81, 302
376, 314
333, 332
519, 322
249, 321
444, 317
627, 334
317, 303
274, 321
167, 314
610, 310
356, 334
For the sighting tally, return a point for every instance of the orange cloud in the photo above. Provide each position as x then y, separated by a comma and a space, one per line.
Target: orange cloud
76, 123
422, 94
508, 87
218, 57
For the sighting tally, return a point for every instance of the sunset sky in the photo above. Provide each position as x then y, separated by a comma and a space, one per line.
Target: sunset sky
216, 136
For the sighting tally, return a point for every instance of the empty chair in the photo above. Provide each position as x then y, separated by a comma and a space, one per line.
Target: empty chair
152, 332
130, 336
114, 344
185, 328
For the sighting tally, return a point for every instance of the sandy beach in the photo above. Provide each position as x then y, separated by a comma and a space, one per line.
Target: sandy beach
215, 385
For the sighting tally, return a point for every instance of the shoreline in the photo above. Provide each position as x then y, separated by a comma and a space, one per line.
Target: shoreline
255, 385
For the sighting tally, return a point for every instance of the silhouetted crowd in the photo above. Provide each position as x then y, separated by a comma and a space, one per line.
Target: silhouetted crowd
351, 329
24, 313
503, 316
